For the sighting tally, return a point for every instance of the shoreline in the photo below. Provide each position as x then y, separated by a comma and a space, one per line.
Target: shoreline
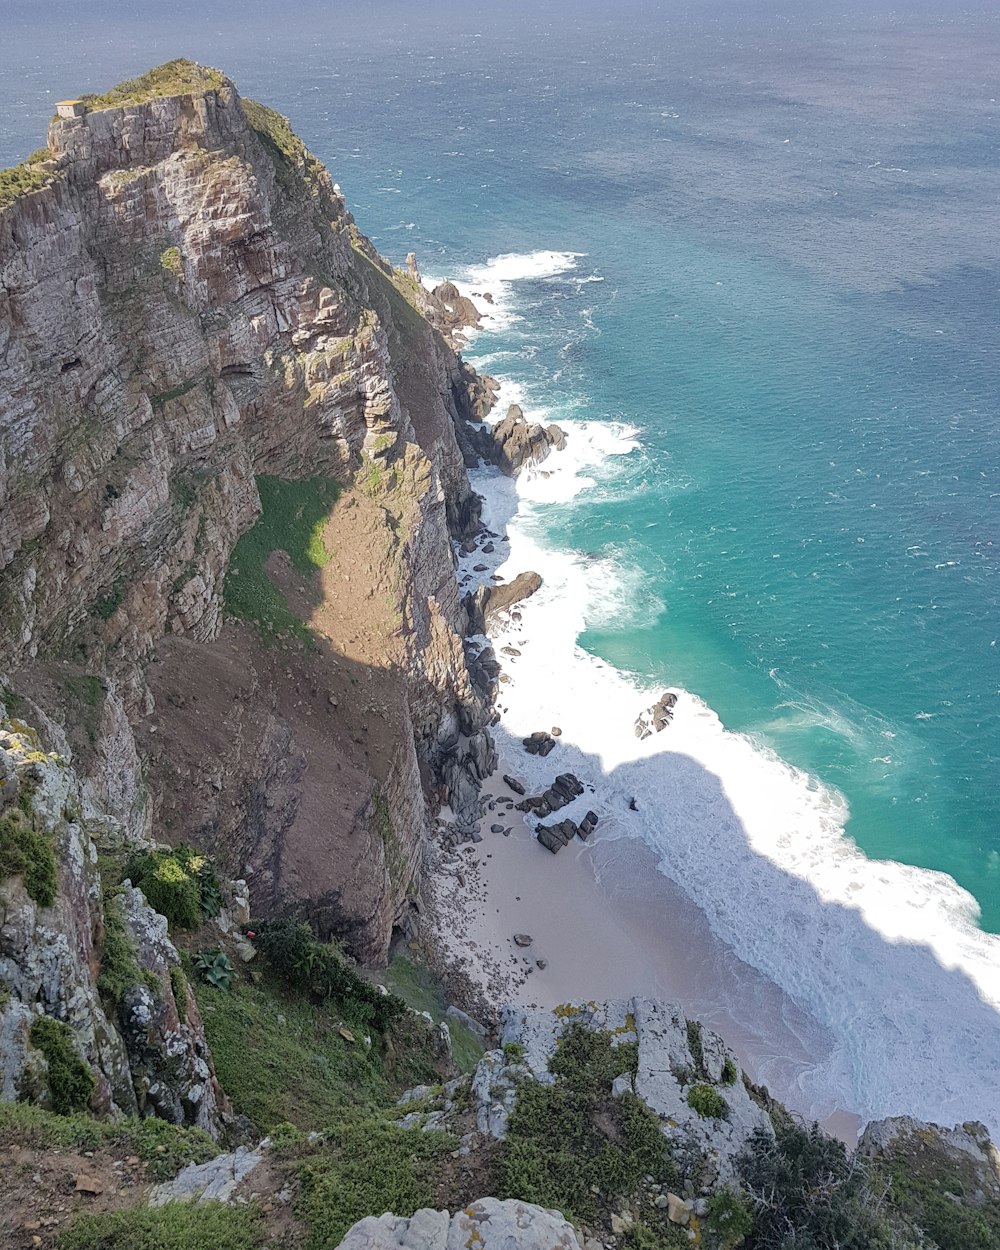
841, 981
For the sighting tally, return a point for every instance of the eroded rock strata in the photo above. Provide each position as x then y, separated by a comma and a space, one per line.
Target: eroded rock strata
186, 306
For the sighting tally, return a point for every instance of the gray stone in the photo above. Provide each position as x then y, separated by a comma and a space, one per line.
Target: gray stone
487, 1224
214, 1181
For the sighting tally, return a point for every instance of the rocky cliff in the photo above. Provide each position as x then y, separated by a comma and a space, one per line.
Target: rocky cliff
187, 308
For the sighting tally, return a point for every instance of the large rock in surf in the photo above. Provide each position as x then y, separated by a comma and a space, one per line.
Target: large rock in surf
488, 602
520, 442
658, 717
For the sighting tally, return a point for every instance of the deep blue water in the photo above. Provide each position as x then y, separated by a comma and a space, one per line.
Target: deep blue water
795, 220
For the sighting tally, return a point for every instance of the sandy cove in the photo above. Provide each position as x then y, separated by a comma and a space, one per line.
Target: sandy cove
604, 924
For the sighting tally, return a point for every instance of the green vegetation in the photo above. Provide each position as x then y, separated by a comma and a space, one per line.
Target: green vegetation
299, 959
513, 1052
368, 1166
27, 853
119, 967
70, 1080
176, 1226
107, 606
574, 1147
410, 325
809, 1184
214, 968
23, 178
170, 260
165, 1148
415, 984
179, 883
935, 1199
730, 1217
297, 1067
707, 1101
293, 516
178, 77
85, 700
729, 1072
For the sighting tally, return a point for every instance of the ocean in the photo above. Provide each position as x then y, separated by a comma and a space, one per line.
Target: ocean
747, 257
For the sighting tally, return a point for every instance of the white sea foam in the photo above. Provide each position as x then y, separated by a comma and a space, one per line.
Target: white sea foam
888, 958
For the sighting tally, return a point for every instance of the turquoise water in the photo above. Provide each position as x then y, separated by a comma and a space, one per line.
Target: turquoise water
794, 221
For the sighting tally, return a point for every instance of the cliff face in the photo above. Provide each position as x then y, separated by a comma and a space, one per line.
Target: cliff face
186, 306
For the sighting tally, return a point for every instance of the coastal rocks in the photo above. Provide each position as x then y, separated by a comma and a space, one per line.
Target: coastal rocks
964, 1153
563, 790
539, 743
513, 783
674, 1056
522, 939
456, 311
171, 1064
487, 1224
520, 442
587, 825
463, 773
486, 603
555, 837
658, 717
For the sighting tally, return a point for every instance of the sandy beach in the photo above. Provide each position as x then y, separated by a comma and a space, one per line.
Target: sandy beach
603, 923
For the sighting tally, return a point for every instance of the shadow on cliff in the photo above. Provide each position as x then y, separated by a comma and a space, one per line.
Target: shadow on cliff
914, 1034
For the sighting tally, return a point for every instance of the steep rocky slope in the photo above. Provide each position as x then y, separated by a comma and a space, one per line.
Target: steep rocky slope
186, 305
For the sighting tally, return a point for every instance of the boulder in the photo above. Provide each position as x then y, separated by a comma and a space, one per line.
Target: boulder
487, 1224
658, 717
520, 442
555, 837
486, 603
514, 784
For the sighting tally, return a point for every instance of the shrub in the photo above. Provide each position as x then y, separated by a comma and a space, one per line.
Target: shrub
729, 1072
70, 1080
513, 1052
730, 1217
27, 853
300, 959
176, 1226
804, 1181
708, 1102
170, 260
179, 883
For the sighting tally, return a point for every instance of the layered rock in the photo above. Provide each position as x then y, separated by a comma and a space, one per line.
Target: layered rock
185, 306
147, 1051
520, 442
487, 1224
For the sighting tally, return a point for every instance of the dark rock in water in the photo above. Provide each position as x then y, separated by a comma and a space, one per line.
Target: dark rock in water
587, 825
555, 837
520, 442
509, 651
658, 717
496, 828
488, 549
514, 784
541, 964
539, 743
547, 746
522, 939
487, 602
451, 309
556, 731
632, 805
480, 568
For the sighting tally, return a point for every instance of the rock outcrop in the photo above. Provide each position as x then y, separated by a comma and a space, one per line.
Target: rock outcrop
487, 603
487, 1224
658, 717
146, 1050
674, 1057
520, 442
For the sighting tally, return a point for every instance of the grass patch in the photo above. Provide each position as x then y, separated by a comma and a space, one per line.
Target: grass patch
179, 77
368, 1166
28, 176
109, 604
170, 260
176, 1226
70, 1080
417, 987
27, 853
165, 1148
293, 516
282, 1059
571, 1145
